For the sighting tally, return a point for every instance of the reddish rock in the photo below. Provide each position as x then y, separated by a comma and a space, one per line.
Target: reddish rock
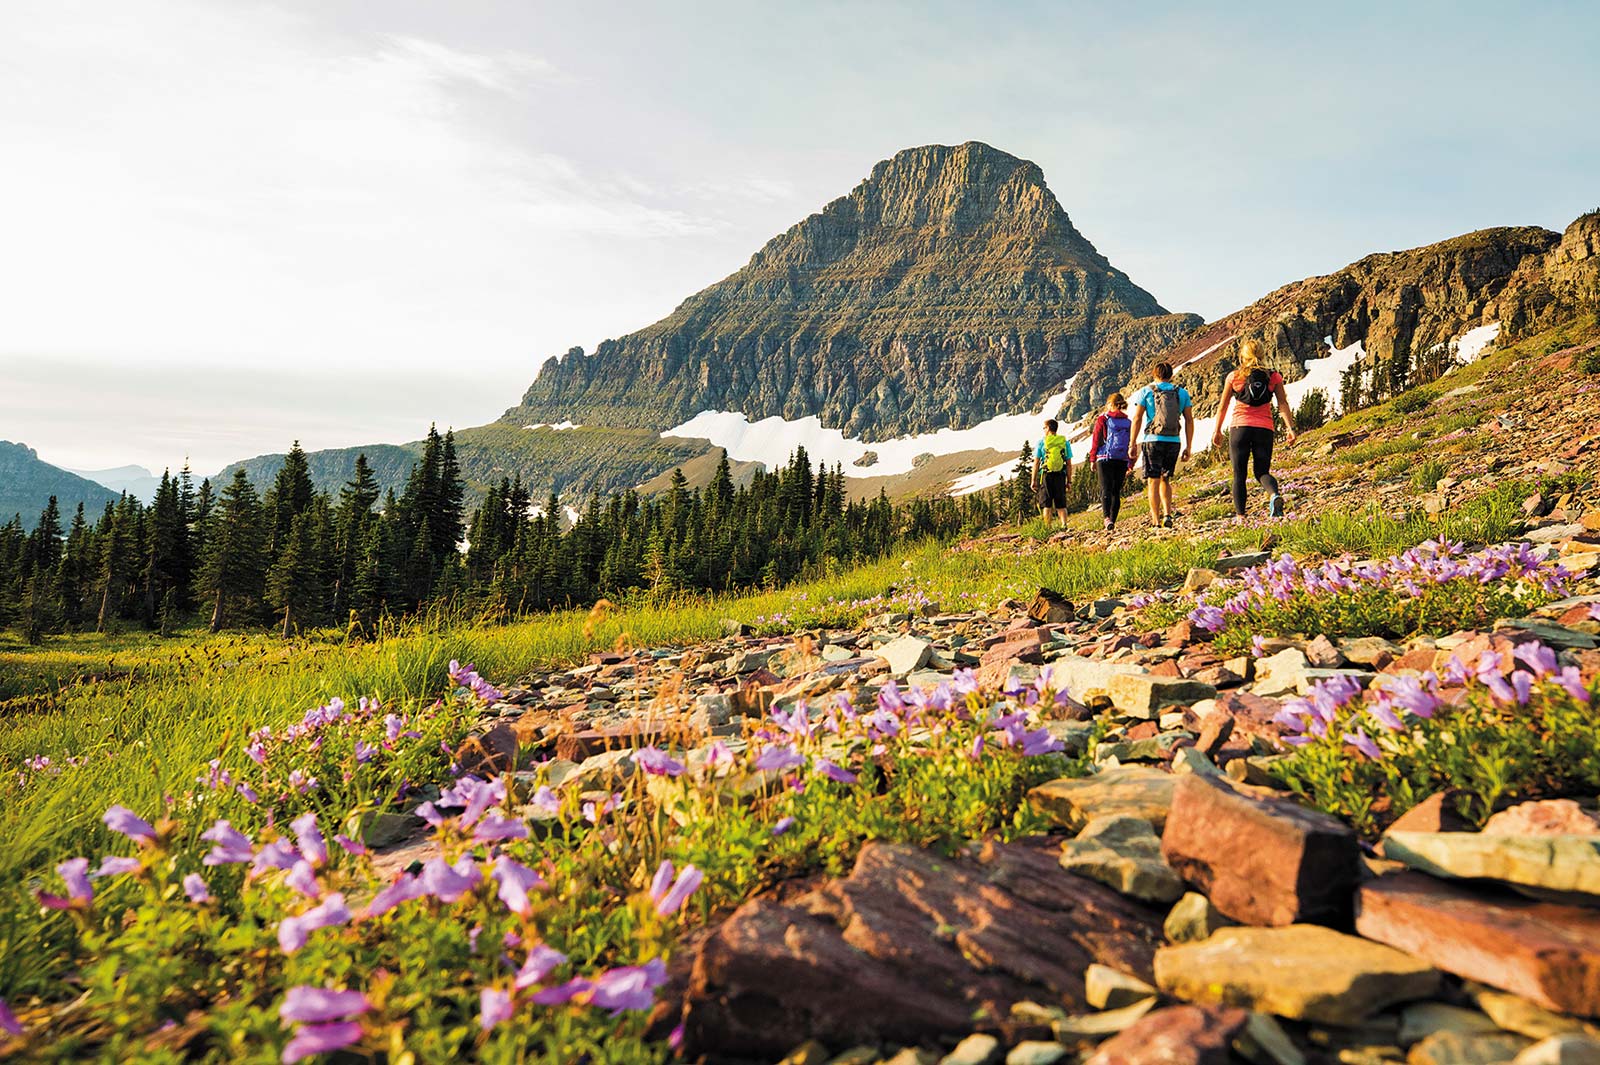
576, 746
1050, 608
1167, 667
1023, 645
1142, 731
1215, 731
1185, 633
1252, 714
908, 948
1543, 951
1439, 812
490, 753
1177, 1035
1545, 817
1218, 677
1417, 660
1322, 654
1588, 665
1262, 860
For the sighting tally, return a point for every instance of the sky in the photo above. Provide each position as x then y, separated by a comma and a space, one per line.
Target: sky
226, 224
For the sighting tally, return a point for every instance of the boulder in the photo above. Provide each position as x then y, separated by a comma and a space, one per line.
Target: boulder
1302, 972
1082, 677
1374, 652
1122, 852
1561, 1050
489, 753
1466, 1048
1543, 951
1145, 696
905, 654
1439, 812
1234, 563
1549, 863
911, 947
1261, 860
1051, 608
1546, 817
1072, 802
1198, 579
1177, 1035
1193, 918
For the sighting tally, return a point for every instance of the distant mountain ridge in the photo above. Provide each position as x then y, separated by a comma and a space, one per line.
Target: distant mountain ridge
27, 482
946, 288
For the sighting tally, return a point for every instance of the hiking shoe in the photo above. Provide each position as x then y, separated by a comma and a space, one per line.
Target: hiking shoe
1166, 522
1109, 524
1275, 506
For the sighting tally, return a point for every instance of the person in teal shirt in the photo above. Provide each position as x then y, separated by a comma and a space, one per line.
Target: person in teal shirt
1053, 458
1166, 414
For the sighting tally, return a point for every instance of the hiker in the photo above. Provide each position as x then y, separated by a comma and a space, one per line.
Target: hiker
1110, 451
1166, 415
1250, 390
1054, 458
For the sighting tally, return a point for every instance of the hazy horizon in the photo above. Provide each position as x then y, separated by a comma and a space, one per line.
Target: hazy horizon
231, 225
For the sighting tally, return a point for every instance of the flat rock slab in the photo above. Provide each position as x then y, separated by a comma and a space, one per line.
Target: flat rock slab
909, 948
1543, 951
1303, 972
1142, 695
1551, 863
1135, 791
1261, 860
1124, 853
1467, 1048
1177, 1035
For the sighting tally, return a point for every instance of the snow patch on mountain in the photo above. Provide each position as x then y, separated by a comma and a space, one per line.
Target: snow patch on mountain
1325, 373
772, 441
557, 426
1470, 346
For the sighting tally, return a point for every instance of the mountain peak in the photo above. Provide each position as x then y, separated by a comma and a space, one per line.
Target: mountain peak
947, 287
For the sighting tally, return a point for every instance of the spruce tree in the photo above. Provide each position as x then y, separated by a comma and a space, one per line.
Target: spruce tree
294, 583
235, 565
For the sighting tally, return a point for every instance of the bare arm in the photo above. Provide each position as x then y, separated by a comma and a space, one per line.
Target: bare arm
1133, 430
1222, 416
1188, 431
1288, 415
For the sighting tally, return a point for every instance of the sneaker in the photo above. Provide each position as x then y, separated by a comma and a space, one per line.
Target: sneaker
1166, 522
1109, 524
1275, 506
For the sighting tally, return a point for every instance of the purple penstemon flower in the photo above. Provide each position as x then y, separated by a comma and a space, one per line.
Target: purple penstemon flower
303, 878
628, 988
365, 752
447, 882
718, 754
1572, 680
778, 759
403, 888
497, 828
309, 837
672, 900
494, 1007
657, 762
115, 866
783, 825
1363, 743
475, 795
293, 931
1537, 657
516, 881
1208, 617
965, 681
195, 887
279, 854
123, 820
540, 963
230, 846
1039, 742
835, 772
8, 1020
321, 1039
80, 893
545, 801
305, 1004
350, 846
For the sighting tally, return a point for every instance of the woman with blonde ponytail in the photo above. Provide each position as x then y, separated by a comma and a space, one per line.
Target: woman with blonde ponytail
1250, 390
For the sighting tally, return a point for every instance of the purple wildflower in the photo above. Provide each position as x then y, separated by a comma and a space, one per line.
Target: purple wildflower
541, 961
1570, 679
1594, 611
662, 881
303, 878
194, 886
497, 828
834, 772
293, 931
516, 880
965, 681
313, 1005
1537, 657
8, 1020
1363, 743
562, 993
1521, 687
114, 866
448, 883
350, 846
630, 988
779, 759
718, 754
1209, 618
123, 820
1258, 647
687, 883
475, 795
312, 845
494, 1006
75, 874
977, 747
279, 854
784, 824
545, 802
321, 1039
656, 762
404, 888
230, 845
365, 752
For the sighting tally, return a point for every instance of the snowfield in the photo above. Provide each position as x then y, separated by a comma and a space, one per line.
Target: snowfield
772, 440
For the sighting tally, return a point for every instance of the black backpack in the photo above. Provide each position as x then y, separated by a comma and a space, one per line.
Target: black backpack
1257, 390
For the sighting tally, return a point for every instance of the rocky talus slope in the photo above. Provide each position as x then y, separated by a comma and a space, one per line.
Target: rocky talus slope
948, 287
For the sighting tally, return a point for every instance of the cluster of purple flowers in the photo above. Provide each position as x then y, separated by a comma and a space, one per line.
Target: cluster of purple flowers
1409, 574
467, 677
1339, 707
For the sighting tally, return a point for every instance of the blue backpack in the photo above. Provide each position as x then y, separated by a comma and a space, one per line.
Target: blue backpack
1118, 430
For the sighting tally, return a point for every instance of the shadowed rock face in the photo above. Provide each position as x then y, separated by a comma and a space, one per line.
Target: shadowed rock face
948, 287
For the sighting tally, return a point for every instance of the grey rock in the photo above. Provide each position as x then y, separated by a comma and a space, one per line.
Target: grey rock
1144, 696
1461, 1048
905, 654
1281, 673
1123, 852
1192, 919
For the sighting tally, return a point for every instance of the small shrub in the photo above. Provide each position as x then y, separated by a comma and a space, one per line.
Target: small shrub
1415, 400
1312, 412
1589, 361
1425, 477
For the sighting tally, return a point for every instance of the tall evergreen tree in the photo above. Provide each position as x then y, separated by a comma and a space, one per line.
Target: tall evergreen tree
235, 565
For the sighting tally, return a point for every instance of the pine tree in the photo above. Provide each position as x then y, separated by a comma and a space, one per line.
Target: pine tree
294, 583
235, 565
289, 496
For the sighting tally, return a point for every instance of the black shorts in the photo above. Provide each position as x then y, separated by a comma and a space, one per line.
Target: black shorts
1055, 486
1161, 458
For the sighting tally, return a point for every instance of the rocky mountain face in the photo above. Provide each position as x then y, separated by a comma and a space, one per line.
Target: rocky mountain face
947, 287
1400, 303
27, 482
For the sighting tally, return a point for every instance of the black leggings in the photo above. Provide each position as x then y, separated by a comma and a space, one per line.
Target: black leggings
1113, 475
1248, 444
